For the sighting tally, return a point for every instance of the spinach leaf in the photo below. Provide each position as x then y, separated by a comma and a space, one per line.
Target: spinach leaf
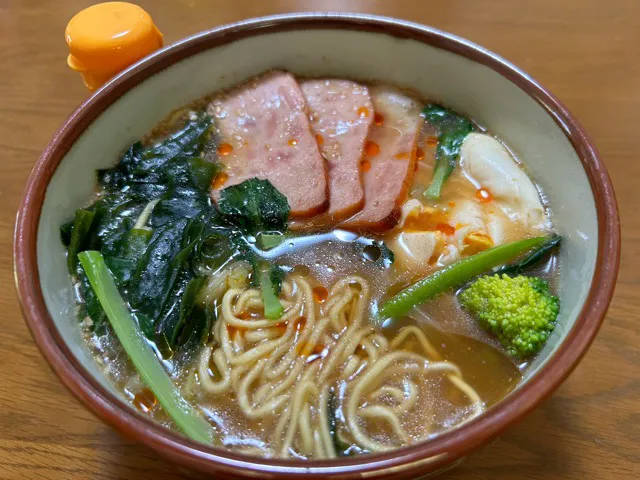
180, 202
120, 176
164, 290
142, 168
128, 251
159, 269
79, 237
187, 142
254, 206
115, 214
195, 172
146, 325
216, 248
65, 232
167, 326
452, 130
186, 326
158, 261
532, 258
103, 225
199, 326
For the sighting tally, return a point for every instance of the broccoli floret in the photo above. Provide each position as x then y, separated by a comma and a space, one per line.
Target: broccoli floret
520, 311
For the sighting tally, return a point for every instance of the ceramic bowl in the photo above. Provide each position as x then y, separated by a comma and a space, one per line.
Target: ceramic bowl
439, 66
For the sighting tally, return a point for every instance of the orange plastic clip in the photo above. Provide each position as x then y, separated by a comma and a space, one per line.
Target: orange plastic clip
106, 38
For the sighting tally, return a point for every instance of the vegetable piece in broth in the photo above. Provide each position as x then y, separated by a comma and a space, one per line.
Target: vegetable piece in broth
534, 257
452, 130
140, 166
455, 274
145, 361
520, 311
79, 237
269, 279
255, 206
153, 212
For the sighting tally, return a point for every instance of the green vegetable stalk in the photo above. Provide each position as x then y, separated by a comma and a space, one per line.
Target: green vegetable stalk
454, 275
452, 130
269, 279
267, 241
139, 351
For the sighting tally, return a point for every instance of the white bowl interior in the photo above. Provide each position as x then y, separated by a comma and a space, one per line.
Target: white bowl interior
467, 86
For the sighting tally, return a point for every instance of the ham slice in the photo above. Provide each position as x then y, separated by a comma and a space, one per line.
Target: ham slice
390, 159
341, 114
262, 131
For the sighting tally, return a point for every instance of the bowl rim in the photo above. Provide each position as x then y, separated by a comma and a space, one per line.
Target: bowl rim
423, 457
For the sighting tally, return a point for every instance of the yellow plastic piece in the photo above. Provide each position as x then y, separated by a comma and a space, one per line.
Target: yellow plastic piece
106, 38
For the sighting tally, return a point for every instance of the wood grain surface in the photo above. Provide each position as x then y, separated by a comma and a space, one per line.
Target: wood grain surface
585, 51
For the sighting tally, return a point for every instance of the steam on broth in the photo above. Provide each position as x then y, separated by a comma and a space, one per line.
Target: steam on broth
259, 236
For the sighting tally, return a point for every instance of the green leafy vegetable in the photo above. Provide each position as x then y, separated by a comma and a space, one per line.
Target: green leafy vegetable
142, 356
154, 224
160, 268
164, 286
332, 414
129, 250
65, 232
187, 305
79, 237
142, 169
532, 258
187, 194
215, 249
452, 130
186, 142
201, 318
454, 275
255, 206
115, 214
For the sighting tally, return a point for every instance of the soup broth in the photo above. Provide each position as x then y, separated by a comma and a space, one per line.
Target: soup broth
327, 376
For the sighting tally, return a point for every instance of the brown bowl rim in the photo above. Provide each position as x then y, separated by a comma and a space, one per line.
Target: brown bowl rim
420, 458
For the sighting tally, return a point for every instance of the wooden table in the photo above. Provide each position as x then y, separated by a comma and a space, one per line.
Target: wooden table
586, 51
